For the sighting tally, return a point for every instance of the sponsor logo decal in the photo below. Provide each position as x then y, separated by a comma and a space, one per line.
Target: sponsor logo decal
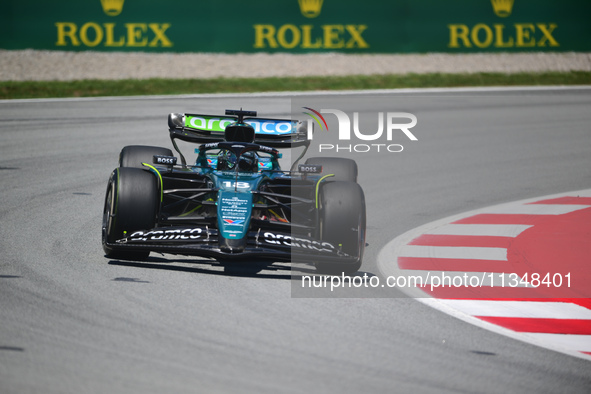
234, 222
210, 123
211, 145
307, 36
499, 35
295, 242
112, 7
310, 168
113, 35
502, 8
261, 126
271, 126
185, 234
168, 160
310, 8
234, 213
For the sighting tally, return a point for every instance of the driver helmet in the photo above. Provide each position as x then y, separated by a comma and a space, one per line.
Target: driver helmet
247, 162
226, 160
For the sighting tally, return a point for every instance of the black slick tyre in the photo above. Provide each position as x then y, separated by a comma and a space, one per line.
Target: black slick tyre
342, 223
131, 204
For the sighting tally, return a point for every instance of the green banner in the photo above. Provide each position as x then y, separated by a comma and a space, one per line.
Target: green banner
297, 26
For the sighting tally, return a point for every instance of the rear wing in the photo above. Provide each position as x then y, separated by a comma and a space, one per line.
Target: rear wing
275, 133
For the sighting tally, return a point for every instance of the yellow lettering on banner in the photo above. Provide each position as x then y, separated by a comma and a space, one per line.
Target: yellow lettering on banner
458, 32
547, 32
110, 41
159, 35
135, 33
523, 32
525, 35
332, 37
66, 29
98, 34
290, 36
356, 40
262, 33
487, 33
92, 34
499, 43
307, 38
295, 36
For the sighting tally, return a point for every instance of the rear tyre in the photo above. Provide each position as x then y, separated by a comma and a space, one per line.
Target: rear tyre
135, 155
343, 169
131, 204
342, 223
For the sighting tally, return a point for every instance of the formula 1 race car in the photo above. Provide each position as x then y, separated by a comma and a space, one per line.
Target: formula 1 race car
234, 201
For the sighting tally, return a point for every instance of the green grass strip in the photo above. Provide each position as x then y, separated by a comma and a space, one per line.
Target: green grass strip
132, 87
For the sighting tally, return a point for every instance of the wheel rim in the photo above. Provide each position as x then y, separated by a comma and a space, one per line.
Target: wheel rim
107, 216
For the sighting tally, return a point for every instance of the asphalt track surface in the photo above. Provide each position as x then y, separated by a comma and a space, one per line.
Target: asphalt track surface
73, 321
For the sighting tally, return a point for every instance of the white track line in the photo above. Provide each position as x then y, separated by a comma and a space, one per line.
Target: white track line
488, 230
312, 93
528, 309
536, 209
579, 343
449, 252
548, 341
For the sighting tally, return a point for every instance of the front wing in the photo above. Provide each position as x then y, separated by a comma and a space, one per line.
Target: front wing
203, 241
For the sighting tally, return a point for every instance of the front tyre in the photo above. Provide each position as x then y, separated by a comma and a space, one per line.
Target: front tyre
342, 223
131, 204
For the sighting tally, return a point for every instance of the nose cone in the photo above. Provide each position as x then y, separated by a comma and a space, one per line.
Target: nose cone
232, 245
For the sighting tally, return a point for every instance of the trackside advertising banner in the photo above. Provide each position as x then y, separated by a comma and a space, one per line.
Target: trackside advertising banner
297, 26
